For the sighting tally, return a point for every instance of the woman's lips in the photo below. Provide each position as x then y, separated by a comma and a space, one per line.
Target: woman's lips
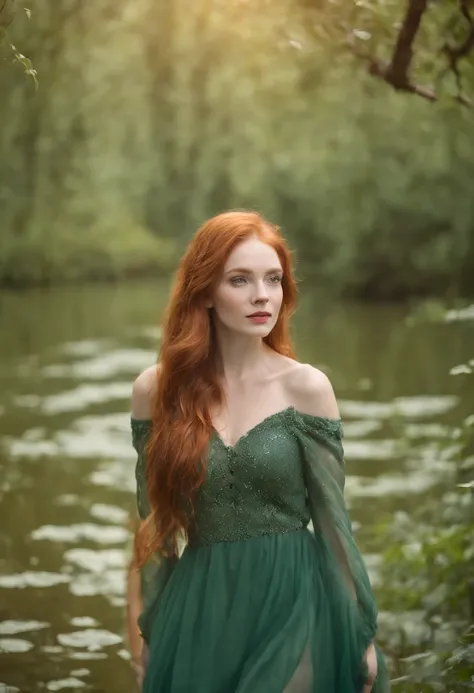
259, 318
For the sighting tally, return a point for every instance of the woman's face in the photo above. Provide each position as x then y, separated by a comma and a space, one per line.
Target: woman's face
249, 295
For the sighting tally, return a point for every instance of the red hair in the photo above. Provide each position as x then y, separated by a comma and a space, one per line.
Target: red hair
188, 384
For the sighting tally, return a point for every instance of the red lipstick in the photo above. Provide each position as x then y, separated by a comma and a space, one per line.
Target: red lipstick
259, 317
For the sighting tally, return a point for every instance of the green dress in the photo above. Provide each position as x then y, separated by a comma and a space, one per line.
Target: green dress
258, 603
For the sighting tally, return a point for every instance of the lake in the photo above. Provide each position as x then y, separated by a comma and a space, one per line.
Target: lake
68, 357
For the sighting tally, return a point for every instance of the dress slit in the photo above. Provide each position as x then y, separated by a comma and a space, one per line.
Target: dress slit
302, 679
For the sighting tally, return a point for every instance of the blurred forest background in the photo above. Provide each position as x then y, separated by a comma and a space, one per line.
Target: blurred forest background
150, 116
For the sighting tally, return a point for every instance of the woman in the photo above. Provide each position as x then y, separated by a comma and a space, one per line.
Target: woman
239, 447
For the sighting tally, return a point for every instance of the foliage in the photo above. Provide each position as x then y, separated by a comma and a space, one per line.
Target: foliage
166, 113
426, 577
427, 570
109, 249
416, 46
7, 10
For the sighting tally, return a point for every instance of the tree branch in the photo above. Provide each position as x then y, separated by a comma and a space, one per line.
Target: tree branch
379, 69
396, 72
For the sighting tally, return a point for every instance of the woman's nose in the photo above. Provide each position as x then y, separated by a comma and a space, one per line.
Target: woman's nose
261, 295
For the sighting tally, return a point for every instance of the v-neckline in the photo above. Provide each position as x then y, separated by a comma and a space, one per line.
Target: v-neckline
146, 425
253, 429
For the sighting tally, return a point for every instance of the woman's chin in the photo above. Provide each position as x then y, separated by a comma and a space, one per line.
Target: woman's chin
260, 330
250, 329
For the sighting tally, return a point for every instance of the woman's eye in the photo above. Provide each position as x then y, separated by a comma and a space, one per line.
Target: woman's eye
238, 281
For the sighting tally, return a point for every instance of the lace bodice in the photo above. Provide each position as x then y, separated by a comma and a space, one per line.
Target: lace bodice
257, 486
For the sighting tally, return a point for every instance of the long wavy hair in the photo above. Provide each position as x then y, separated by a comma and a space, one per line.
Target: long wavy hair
188, 386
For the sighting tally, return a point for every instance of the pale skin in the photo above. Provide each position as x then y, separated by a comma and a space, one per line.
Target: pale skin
257, 381
134, 608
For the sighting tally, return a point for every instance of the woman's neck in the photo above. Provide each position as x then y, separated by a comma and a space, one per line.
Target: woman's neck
240, 356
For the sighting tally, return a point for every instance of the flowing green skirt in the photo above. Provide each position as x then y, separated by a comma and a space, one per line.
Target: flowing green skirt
269, 614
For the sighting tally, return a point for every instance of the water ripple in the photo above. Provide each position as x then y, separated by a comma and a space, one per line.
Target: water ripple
360, 429
390, 485
101, 534
422, 407
96, 561
86, 347
371, 449
88, 655
102, 511
83, 621
111, 584
32, 579
80, 672
104, 366
410, 407
65, 683
115, 475
431, 431
85, 395
15, 645
13, 627
90, 638
90, 437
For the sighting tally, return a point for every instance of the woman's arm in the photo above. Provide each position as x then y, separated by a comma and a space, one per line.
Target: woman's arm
314, 394
134, 609
144, 389
371, 660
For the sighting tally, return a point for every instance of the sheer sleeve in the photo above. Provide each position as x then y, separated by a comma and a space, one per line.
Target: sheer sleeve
155, 574
324, 472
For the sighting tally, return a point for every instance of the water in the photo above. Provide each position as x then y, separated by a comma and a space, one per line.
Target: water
68, 359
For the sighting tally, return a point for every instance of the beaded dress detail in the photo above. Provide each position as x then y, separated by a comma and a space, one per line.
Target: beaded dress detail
258, 603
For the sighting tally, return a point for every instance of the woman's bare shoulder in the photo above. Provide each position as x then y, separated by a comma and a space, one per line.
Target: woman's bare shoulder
144, 393
311, 391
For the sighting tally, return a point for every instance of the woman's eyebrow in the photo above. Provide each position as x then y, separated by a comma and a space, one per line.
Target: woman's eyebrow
243, 270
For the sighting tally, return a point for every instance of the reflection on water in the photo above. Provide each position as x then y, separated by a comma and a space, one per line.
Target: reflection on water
68, 359
32, 579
